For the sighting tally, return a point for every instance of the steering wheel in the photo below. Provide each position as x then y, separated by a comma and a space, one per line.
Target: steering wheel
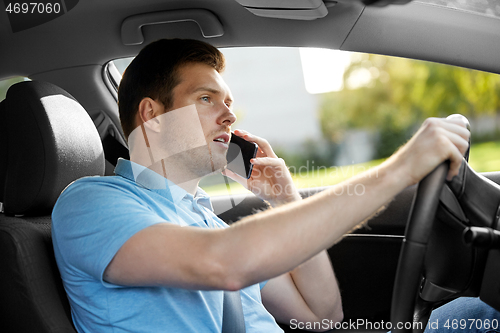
405, 300
407, 306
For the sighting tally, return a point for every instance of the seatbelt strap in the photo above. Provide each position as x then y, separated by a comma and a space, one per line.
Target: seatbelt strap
232, 313
113, 149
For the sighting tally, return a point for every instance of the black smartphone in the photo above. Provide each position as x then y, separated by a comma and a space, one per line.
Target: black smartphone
239, 154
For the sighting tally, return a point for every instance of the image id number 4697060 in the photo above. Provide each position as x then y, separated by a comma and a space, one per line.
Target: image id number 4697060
469, 324
33, 8
26, 15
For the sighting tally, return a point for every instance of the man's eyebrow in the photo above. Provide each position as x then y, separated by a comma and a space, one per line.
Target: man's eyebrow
211, 90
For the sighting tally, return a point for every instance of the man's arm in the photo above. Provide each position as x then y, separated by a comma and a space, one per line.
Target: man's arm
271, 243
309, 293
257, 248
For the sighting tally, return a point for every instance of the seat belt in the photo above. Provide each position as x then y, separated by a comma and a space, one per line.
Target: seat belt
113, 149
232, 313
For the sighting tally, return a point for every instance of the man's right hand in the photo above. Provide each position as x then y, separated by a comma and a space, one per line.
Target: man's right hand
437, 140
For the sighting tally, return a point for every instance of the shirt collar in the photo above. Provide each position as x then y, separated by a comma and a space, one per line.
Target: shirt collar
203, 199
149, 179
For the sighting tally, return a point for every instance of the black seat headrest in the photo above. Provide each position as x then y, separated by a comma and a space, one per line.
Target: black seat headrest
48, 141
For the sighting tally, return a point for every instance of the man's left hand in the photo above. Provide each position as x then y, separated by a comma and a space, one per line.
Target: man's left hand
270, 179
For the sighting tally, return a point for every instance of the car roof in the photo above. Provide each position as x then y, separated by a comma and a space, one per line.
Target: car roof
91, 33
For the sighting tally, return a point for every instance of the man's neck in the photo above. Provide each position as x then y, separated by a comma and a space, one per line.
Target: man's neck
179, 176
159, 161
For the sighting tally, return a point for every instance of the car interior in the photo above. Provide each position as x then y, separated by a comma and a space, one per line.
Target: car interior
433, 243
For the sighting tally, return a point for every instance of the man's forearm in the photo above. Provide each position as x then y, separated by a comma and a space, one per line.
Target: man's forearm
315, 280
276, 241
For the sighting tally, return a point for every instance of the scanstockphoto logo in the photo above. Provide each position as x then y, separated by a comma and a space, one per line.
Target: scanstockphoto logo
25, 15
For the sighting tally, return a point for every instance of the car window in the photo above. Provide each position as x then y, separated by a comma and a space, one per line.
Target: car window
331, 114
5, 84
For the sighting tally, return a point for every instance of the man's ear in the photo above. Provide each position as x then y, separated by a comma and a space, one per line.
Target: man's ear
149, 110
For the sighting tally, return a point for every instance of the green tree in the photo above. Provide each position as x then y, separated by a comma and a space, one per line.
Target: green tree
396, 94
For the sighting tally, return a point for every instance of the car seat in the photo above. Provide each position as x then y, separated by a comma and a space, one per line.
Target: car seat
47, 140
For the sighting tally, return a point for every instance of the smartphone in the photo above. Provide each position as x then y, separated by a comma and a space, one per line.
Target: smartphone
239, 154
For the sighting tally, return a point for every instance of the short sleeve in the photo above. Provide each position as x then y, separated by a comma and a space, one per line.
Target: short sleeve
92, 220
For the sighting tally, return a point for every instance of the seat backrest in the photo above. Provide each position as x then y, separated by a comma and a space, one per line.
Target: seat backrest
47, 140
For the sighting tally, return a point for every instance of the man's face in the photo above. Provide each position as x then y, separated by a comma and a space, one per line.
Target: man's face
202, 86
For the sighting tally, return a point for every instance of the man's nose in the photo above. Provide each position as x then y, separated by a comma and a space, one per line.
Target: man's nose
228, 117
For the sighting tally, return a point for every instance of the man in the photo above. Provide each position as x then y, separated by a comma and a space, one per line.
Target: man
143, 252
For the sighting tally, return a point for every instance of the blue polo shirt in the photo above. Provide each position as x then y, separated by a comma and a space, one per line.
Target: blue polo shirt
95, 216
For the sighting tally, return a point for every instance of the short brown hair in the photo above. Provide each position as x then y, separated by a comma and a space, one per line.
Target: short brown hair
154, 74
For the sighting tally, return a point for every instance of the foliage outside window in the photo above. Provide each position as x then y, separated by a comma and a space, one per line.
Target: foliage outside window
5, 84
400, 93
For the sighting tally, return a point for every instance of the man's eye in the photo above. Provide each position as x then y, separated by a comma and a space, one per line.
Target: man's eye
205, 99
